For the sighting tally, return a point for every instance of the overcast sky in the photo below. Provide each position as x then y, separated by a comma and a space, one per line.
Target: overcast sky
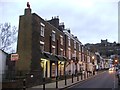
89, 20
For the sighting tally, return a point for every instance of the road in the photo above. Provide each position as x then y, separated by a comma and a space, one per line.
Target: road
104, 81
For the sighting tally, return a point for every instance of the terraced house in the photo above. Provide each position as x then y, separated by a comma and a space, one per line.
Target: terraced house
47, 49
72, 52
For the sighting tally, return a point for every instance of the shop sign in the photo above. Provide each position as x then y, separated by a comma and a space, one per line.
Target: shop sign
14, 57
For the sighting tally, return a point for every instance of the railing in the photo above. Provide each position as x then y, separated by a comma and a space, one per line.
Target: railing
67, 79
24, 81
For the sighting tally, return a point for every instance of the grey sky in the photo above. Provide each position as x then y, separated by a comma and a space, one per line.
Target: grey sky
89, 20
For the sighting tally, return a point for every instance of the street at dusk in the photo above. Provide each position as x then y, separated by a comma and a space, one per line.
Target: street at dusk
106, 80
76, 48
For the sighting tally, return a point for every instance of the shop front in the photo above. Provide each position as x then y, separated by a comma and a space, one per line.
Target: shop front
52, 65
61, 65
45, 64
49, 65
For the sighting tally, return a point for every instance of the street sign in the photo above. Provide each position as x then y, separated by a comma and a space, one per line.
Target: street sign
14, 57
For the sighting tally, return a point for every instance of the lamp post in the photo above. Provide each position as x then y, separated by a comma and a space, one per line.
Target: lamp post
80, 62
116, 61
93, 57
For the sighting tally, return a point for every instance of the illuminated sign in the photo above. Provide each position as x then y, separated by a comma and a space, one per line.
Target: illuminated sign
14, 57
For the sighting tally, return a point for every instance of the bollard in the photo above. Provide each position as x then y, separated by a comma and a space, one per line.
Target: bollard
77, 77
24, 84
65, 80
84, 75
81, 76
87, 74
56, 81
43, 83
72, 78
93, 72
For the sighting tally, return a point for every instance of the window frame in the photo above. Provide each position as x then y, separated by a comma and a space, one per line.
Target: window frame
61, 39
42, 30
42, 44
53, 35
69, 42
74, 44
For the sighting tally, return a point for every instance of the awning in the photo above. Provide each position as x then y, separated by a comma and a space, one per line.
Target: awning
44, 56
61, 58
50, 57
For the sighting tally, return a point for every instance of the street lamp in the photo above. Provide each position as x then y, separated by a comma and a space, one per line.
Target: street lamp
80, 62
93, 57
93, 65
116, 61
31, 76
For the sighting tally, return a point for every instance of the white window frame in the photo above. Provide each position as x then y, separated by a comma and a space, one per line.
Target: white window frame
74, 44
69, 53
42, 29
75, 53
69, 44
42, 24
53, 46
42, 43
53, 37
61, 39
80, 56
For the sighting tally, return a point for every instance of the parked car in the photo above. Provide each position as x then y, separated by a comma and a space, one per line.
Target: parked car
111, 69
118, 75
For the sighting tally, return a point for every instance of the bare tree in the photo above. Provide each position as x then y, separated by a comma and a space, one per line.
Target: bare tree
8, 36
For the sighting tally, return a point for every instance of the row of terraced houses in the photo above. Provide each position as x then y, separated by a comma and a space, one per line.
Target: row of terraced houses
47, 48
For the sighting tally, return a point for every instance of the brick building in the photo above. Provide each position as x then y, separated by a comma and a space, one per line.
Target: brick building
72, 52
40, 45
47, 49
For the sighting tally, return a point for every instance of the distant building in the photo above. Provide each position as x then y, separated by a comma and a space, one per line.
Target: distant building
105, 48
72, 52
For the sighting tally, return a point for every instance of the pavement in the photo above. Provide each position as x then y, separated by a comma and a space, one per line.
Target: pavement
61, 84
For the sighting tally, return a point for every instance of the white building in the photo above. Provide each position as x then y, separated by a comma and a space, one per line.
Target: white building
3, 66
